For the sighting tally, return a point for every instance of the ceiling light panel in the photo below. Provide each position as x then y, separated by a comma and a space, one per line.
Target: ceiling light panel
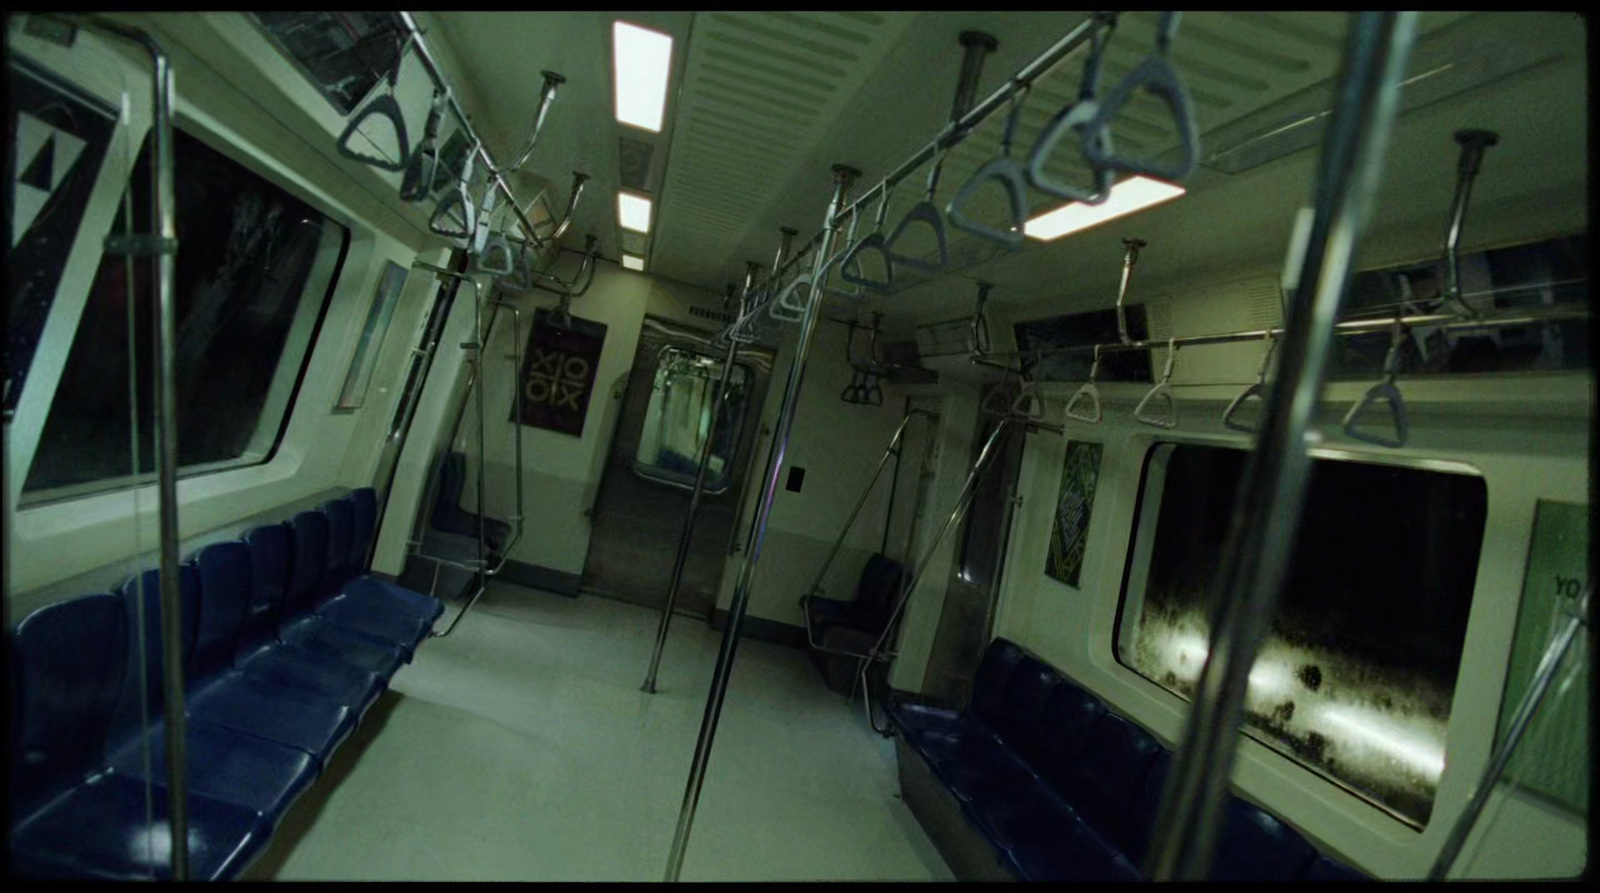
1133, 194
633, 212
641, 62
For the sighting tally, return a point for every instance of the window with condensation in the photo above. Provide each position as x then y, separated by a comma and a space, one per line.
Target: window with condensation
255, 270
1357, 674
344, 54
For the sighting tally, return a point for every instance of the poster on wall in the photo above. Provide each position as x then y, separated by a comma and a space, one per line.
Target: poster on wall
1553, 759
558, 373
59, 136
1079, 475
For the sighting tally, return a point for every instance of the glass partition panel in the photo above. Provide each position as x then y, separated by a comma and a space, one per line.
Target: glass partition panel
679, 419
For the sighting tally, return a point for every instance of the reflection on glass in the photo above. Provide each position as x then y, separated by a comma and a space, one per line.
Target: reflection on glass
1358, 673
679, 418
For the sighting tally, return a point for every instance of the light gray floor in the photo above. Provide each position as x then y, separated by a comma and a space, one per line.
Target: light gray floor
520, 748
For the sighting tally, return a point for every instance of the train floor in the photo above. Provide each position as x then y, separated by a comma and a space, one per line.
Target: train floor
521, 748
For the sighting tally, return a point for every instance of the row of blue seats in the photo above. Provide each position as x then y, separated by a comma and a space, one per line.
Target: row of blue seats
1065, 790
286, 643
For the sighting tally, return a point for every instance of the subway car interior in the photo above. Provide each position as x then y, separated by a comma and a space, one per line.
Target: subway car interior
798, 446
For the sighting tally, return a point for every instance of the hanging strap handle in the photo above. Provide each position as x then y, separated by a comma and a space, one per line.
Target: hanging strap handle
384, 106
1006, 171
926, 212
1087, 392
1384, 390
445, 220
1157, 77
1161, 393
1257, 391
873, 241
417, 182
1075, 119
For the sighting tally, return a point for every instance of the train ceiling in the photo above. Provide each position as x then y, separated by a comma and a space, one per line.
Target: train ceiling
762, 103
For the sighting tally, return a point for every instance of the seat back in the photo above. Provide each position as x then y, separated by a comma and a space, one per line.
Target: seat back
1000, 658
1022, 702
223, 570
879, 588
341, 514
271, 555
1064, 726
309, 531
1256, 846
145, 618
70, 661
1149, 804
365, 502
1109, 777
447, 499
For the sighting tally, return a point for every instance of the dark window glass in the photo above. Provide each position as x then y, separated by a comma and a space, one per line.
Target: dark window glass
1089, 328
1356, 677
344, 54
1546, 274
255, 269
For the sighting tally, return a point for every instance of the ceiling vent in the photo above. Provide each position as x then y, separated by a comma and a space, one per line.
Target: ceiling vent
636, 161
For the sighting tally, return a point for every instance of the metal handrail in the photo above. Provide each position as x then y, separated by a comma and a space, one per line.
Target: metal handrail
1265, 520
784, 427
680, 561
162, 244
431, 66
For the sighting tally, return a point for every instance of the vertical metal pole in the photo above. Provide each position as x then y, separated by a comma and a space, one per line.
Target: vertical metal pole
1267, 511
681, 561
165, 226
843, 176
1526, 708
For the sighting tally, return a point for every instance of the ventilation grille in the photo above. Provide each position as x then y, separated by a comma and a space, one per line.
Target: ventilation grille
635, 157
708, 313
760, 91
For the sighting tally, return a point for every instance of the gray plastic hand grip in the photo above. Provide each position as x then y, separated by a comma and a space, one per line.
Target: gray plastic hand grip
387, 107
924, 212
1156, 75
1074, 119
1383, 390
1009, 174
1093, 394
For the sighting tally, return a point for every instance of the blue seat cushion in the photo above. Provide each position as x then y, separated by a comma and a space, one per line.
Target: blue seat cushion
1108, 778
1046, 840
233, 767
362, 651
1000, 658
310, 722
314, 672
99, 830
1255, 846
1023, 699
1324, 869
983, 767
371, 617
922, 717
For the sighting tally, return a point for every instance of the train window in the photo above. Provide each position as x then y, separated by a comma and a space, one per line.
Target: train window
1357, 675
255, 271
344, 54
1080, 329
1552, 273
679, 417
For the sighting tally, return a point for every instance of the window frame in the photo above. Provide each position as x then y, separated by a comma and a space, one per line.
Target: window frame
260, 450
1141, 530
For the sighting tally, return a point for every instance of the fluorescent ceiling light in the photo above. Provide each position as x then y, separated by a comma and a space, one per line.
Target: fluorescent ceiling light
640, 62
1133, 194
633, 262
633, 212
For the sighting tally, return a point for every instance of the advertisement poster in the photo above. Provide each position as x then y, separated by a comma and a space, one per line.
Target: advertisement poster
1078, 477
558, 371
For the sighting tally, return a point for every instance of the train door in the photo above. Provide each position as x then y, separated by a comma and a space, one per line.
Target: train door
650, 470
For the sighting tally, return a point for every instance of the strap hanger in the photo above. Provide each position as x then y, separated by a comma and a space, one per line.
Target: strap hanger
383, 106
455, 217
1006, 171
926, 212
1162, 392
1384, 390
1157, 76
873, 241
417, 182
1075, 119
1089, 392
1257, 391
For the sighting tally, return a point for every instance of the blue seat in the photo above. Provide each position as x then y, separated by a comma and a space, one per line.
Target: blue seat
1000, 658
1023, 699
1063, 731
73, 816
270, 621
225, 583
1324, 869
303, 624
1109, 777
365, 502
309, 722
1053, 843
362, 603
1256, 846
